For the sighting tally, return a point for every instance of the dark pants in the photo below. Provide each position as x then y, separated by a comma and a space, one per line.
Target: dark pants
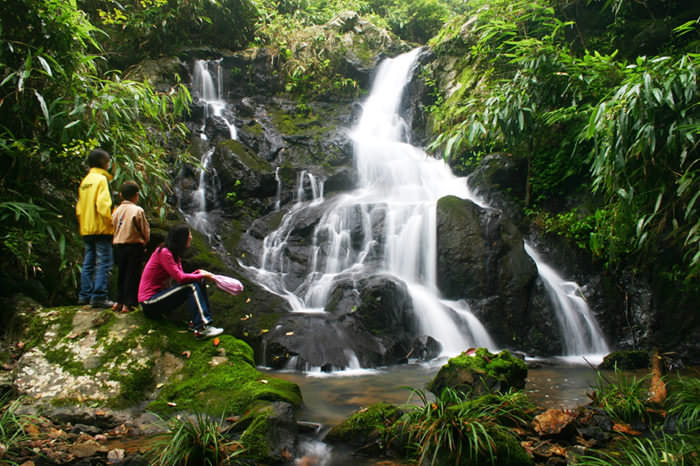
129, 259
167, 300
97, 267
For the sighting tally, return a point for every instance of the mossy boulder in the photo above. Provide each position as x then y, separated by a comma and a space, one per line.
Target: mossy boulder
78, 355
365, 427
270, 433
627, 360
479, 371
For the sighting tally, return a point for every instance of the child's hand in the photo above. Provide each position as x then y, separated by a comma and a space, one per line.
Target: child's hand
207, 275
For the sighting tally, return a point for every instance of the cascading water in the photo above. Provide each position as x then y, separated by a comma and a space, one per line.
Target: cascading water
580, 330
386, 226
208, 88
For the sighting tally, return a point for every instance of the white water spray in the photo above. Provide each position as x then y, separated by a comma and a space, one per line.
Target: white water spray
580, 331
208, 88
393, 213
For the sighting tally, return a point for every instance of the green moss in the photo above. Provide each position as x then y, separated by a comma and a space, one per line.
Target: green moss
254, 438
134, 386
201, 256
228, 386
627, 360
465, 370
249, 158
364, 424
63, 357
60, 318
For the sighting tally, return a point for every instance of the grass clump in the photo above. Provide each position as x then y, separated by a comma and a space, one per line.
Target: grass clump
678, 450
684, 402
456, 429
621, 398
194, 440
12, 432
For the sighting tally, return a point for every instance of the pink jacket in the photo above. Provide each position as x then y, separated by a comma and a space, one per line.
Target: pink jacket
160, 269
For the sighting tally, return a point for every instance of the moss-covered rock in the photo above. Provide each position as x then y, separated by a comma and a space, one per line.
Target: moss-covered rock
628, 360
76, 355
480, 371
365, 426
270, 433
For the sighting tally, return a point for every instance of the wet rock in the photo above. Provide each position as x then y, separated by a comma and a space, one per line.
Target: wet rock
625, 360
555, 423
481, 256
478, 371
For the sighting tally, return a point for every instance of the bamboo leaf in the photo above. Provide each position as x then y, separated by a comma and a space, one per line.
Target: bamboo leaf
45, 65
44, 108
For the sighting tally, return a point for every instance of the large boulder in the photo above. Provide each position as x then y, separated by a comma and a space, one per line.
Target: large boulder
369, 321
481, 257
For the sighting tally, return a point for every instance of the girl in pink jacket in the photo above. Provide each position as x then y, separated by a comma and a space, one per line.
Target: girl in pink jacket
157, 296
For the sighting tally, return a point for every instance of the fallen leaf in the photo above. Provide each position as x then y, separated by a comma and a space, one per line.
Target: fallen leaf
216, 341
99, 412
625, 429
32, 430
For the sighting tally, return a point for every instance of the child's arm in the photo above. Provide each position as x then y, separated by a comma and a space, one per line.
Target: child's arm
143, 226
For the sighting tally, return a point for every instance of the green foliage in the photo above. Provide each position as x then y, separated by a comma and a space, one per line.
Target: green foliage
454, 429
12, 431
645, 153
684, 402
149, 28
631, 129
678, 450
622, 398
194, 440
56, 107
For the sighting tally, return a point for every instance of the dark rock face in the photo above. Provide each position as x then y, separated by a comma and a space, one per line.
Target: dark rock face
371, 319
481, 257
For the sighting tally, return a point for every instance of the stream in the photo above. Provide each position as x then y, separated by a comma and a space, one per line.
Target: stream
331, 398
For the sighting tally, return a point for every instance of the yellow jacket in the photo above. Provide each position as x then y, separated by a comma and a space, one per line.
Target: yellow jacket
94, 207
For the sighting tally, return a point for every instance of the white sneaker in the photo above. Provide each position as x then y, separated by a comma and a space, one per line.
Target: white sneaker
206, 332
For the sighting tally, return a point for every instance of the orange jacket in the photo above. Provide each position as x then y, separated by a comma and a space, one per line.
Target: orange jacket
94, 207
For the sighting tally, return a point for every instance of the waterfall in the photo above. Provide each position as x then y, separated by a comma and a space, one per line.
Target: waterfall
385, 226
580, 331
208, 88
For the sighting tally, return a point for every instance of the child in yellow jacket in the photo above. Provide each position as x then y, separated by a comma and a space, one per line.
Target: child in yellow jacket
94, 212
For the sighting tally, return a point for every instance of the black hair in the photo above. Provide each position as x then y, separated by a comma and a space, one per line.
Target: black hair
176, 241
129, 189
97, 158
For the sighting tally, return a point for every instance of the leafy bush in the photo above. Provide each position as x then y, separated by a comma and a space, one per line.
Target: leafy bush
11, 430
455, 429
665, 449
56, 107
149, 28
194, 441
684, 402
579, 117
622, 398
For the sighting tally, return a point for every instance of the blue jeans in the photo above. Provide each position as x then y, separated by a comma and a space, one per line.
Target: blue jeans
166, 300
97, 267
